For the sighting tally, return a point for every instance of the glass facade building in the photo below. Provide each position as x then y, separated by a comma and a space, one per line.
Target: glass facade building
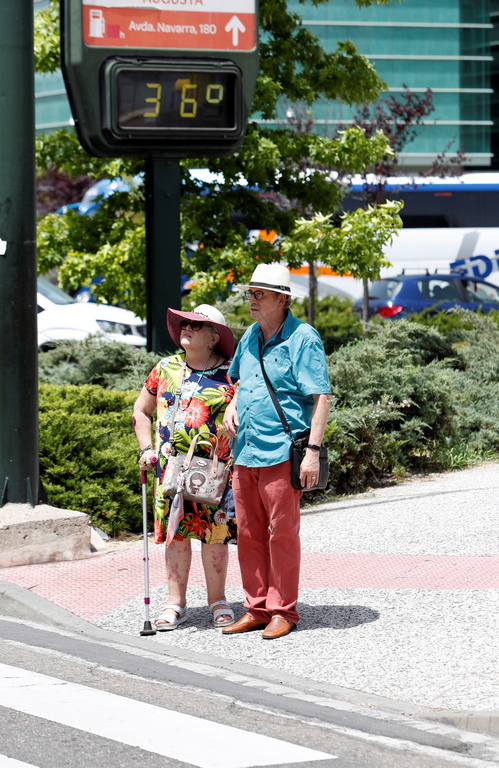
494, 80
439, 44
445, 45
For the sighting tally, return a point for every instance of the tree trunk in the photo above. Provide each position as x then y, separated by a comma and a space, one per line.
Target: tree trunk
365, 305
312, 292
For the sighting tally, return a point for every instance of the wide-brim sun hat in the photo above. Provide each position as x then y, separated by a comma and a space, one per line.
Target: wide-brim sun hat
203, 313
270, 277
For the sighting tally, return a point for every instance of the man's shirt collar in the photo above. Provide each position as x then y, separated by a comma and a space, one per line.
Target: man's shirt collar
284, 333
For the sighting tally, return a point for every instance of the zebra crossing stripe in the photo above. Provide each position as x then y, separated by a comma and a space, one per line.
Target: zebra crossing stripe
143, 725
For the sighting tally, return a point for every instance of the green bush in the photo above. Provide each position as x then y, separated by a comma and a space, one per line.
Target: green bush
88, 454
449, 323
390, 409
334, 320
96, 361
407, 400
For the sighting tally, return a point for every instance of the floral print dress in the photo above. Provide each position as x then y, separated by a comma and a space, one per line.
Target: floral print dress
205, 396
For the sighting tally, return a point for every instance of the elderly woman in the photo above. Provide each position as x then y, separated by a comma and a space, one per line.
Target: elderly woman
200, 374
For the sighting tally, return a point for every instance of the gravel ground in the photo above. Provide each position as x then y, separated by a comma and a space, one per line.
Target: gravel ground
436, 649
432, 648
442, 514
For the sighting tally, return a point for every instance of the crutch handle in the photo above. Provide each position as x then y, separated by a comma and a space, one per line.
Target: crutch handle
143, 472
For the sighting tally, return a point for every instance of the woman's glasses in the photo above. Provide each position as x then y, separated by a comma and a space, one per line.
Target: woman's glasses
258, 295
194, 325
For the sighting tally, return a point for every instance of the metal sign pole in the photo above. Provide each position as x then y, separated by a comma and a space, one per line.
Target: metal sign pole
19, 463
162, 249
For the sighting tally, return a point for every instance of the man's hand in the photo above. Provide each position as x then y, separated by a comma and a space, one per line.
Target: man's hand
309, 469
231, 420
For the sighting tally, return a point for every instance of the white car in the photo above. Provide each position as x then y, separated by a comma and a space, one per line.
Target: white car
60, 317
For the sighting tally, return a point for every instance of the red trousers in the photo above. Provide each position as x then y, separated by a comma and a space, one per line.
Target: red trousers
268, 539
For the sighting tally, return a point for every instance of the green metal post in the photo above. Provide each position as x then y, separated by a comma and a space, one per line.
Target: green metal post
19, 463
162, 249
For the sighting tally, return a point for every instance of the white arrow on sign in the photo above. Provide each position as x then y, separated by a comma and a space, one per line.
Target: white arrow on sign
235, 26
3, 247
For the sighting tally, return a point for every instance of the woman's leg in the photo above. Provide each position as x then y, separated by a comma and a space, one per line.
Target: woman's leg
215, 558
178, 563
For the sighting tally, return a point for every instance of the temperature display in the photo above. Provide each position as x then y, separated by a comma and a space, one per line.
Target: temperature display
175, 99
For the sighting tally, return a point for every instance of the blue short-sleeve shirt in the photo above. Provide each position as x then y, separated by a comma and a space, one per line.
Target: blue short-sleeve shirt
295, 363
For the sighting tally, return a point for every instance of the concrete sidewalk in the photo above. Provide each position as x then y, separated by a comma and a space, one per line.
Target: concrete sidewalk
399, 600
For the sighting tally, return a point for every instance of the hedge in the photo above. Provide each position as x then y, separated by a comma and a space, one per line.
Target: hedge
88, 454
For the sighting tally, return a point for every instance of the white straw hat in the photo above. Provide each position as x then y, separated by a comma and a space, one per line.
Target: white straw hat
271, 277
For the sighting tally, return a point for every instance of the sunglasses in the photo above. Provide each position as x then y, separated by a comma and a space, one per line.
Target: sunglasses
194, 325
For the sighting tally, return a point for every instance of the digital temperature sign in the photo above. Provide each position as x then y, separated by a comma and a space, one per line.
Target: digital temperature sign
162, 100
164, 97
156, 79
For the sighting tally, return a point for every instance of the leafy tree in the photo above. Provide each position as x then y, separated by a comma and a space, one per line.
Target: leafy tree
293, 66
54, 189
400, 118
356, 247
47, 38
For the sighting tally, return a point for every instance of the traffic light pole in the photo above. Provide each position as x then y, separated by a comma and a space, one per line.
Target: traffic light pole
19, 462
163, 269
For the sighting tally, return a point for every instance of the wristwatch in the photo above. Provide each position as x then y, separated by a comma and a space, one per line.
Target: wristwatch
314, 447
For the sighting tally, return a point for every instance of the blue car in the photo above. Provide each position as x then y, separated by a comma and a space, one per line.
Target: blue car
395, 297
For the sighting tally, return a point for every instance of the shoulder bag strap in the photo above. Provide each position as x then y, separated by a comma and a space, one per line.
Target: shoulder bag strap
272, 393
178, 392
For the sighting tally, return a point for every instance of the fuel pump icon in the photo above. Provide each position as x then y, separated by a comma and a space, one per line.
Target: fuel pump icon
97, 23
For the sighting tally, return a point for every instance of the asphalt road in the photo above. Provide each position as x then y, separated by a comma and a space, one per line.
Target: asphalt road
67, 698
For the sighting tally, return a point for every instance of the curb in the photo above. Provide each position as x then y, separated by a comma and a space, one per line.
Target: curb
19, 603
482, 722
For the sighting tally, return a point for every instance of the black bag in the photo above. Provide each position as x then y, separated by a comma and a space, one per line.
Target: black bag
298, 448
299, 444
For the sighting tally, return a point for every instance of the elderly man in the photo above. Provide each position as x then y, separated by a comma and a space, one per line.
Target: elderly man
267, 505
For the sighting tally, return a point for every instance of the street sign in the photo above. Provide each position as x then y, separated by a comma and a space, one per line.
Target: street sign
192, 25
170, 78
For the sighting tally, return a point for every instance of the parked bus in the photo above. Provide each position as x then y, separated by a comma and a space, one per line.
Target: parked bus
450, 225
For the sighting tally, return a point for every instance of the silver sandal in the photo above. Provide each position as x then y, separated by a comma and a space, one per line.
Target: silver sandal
167, 621
227, 611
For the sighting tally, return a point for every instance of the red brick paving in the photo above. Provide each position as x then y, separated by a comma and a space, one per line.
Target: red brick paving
92, 587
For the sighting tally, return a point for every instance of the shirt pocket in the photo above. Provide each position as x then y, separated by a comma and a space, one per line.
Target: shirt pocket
278, 366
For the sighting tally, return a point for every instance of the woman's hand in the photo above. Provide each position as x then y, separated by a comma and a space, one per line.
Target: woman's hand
148, 460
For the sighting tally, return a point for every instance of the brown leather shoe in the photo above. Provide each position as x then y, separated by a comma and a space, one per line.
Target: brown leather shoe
245, 624
278, 627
